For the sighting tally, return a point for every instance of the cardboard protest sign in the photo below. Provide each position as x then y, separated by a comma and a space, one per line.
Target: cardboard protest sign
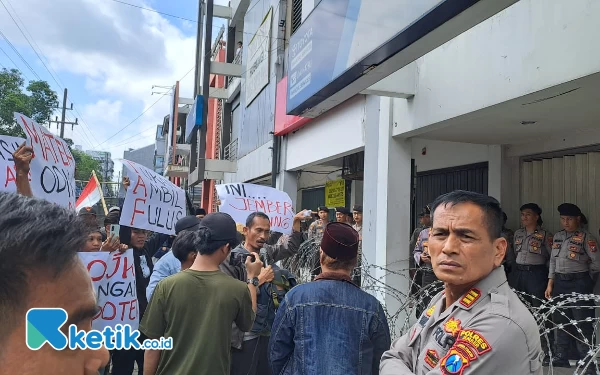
53, 165
8, 174
152, 202
113, 278
240, 200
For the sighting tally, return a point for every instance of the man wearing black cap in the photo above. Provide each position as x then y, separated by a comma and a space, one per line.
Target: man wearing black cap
330, 326
574, 264
343, 215
168, 264
315, 230
197, 307
528, 258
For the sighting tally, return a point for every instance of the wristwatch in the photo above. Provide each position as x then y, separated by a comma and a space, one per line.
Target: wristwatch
253, 281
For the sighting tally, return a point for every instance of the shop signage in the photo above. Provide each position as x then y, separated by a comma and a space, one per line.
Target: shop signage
335, 193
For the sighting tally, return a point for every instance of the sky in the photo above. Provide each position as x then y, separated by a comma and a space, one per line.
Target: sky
109, 55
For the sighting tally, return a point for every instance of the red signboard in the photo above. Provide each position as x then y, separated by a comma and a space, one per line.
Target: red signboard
285, 123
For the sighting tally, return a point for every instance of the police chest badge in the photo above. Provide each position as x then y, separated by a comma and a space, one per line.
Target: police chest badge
426, 316
469, 346
593, 246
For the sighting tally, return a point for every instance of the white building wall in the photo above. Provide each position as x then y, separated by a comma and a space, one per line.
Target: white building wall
530, 46
336, 133
442, 154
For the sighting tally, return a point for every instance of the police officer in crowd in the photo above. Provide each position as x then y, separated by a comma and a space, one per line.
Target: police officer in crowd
414, 272
343, 215
528, 258
478, 325
422, 258
574, 264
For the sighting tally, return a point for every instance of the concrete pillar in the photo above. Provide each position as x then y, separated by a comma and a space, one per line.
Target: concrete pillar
387, 202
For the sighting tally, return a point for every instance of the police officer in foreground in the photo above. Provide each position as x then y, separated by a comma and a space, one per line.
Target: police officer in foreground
528, 259
478, 325
574, 264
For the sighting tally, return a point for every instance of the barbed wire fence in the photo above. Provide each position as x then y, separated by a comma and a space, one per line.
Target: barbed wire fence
402, 312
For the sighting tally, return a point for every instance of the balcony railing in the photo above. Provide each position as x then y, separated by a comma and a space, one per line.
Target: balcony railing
236, 60
231, 151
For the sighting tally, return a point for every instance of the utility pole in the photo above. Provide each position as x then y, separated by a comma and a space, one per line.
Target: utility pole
63, 121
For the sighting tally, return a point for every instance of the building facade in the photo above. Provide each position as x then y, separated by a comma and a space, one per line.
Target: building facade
107, 165
143, 156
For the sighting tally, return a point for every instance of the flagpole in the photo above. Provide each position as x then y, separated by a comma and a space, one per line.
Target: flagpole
101, 194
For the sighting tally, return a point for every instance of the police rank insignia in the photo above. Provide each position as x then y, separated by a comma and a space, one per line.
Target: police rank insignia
430, 311
432, 358
593, 246
471, 297
539, 236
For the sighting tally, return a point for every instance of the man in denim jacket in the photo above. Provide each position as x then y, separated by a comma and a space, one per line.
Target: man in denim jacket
330, 326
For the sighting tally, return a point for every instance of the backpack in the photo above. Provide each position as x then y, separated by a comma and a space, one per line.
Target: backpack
269, 298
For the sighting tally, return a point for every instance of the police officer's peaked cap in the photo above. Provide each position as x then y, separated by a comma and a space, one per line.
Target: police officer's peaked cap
569, 209
87, 211
533, 207
323, 208
343, 210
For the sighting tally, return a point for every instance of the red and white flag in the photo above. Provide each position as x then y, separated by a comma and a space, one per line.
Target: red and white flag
91, 194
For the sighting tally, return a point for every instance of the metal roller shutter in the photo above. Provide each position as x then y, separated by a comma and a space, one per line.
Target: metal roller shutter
573, 178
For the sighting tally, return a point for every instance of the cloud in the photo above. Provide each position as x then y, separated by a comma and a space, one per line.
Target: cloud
116, 54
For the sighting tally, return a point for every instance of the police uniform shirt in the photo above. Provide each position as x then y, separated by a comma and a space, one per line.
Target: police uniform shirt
573, 253
534, 248
486, 331
422, 247
413, 242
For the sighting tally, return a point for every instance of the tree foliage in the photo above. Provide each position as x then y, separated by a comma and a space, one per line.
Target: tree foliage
84, 165
36, 100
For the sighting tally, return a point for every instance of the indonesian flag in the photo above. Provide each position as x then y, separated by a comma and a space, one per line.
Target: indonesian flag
90, 195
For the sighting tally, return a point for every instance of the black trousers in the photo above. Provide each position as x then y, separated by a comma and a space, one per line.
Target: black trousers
252, 359
428, 278
532, 281
565, 284
123, 360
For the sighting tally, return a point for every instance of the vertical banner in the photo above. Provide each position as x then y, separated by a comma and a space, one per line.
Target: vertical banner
335, 193
240, 200
257, 75
113, 278
8, 174
53, 165
152, 202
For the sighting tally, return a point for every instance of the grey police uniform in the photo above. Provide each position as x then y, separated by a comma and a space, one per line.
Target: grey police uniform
487, 331
574, 257
529, 263
428, 277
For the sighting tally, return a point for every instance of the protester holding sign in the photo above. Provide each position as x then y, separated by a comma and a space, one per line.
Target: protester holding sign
22, 159
53, 165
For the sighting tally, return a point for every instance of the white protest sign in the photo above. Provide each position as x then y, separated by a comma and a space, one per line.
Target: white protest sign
8, 174
52, 167
113, 278
240, 200
152, 202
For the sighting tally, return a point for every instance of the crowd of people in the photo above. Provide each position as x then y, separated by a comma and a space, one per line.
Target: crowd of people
217, 291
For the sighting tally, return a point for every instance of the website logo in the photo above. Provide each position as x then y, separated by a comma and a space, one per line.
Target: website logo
44, 326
